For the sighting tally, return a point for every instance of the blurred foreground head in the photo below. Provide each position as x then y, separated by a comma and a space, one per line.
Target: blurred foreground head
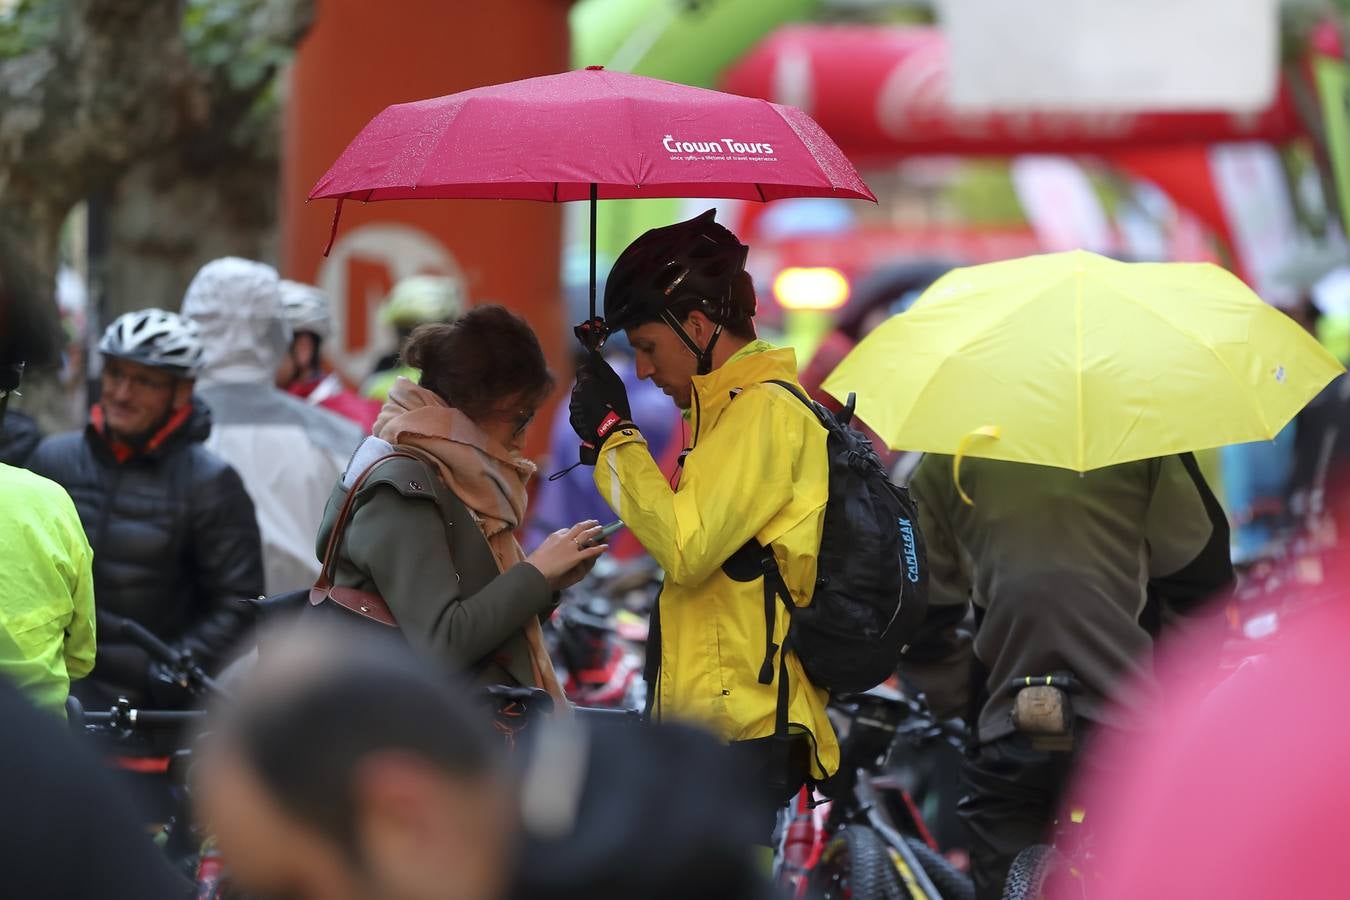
660, 812
345, 768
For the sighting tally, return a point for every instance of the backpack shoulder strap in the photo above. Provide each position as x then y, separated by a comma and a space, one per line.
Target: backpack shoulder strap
843, 417
796, 392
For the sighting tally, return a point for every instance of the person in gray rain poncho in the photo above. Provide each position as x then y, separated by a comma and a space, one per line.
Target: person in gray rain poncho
287, 452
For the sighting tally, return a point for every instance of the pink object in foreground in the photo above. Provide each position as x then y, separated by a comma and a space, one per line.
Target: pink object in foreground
550, 138
1241, 788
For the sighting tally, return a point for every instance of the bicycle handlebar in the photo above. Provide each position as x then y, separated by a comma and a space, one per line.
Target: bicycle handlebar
136, 633
951, 731
150, 718
180, 662
917, 722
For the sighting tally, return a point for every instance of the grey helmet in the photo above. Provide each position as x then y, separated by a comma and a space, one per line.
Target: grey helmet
306, 308
155, 337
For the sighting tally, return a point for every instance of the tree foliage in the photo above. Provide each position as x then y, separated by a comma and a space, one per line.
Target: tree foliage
94, 91
26, 25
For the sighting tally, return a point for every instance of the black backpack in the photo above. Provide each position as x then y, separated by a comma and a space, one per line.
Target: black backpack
871, 587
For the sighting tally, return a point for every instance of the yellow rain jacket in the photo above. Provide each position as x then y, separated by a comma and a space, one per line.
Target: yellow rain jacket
47, 614
757, 469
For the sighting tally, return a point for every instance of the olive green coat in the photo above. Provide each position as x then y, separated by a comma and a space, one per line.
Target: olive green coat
397, 544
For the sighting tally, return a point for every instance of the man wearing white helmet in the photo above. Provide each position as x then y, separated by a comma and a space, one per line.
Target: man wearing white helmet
174, 537
288, 452
301, 373
416, 300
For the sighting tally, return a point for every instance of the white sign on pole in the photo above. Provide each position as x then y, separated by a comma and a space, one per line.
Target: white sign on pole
1112, 54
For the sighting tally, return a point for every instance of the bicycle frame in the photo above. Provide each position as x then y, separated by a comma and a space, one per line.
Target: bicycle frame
862, 795
866, 807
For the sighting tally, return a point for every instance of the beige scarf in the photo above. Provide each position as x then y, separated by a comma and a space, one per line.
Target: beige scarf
485, 475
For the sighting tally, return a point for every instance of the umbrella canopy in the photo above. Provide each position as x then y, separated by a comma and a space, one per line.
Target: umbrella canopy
589, 134
1079, 361
551, 138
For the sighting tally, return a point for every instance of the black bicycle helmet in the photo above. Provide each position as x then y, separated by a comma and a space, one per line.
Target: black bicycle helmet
672, 270
688, 262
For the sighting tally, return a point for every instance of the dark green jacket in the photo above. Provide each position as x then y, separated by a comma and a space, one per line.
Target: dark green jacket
1059, 567
397, 544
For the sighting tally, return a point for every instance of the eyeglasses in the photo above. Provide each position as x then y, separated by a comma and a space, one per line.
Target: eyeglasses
114, 375
523, 420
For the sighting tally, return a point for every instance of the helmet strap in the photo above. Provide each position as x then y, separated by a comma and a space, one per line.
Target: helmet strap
705, 358
702, 354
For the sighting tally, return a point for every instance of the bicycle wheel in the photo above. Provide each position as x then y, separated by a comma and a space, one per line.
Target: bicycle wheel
1035, 870
951, 882
855, 865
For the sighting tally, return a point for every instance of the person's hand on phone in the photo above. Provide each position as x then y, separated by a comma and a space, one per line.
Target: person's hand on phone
564, 557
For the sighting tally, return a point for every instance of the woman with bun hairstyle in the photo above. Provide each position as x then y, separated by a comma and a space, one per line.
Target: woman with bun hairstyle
462, 591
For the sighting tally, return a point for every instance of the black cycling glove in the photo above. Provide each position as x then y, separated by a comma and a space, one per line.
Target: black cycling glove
599, 405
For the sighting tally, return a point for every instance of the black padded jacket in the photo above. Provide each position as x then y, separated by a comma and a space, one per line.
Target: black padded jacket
19, 437
175, 541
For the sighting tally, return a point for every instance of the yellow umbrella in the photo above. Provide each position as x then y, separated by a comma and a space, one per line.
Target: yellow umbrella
1079, 361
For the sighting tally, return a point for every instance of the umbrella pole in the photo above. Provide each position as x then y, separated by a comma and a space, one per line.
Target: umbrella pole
595, 194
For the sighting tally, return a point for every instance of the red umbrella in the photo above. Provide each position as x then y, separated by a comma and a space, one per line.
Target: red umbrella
590, 134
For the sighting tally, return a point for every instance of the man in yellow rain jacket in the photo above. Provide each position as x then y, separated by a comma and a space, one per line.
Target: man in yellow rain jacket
756, 469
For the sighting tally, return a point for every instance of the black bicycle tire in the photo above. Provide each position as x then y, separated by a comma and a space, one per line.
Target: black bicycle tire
871, 872
951, 882
1029, 870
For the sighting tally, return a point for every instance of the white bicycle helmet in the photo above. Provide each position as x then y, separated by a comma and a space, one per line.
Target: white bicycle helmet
155, 337
306, 308
423, 299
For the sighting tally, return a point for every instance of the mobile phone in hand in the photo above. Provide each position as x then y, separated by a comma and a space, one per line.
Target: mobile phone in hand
605, 533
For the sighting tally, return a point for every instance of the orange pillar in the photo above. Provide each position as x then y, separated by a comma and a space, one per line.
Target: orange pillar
359, 58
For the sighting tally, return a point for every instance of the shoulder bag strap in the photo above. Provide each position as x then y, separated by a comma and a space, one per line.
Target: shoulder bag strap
325, 581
